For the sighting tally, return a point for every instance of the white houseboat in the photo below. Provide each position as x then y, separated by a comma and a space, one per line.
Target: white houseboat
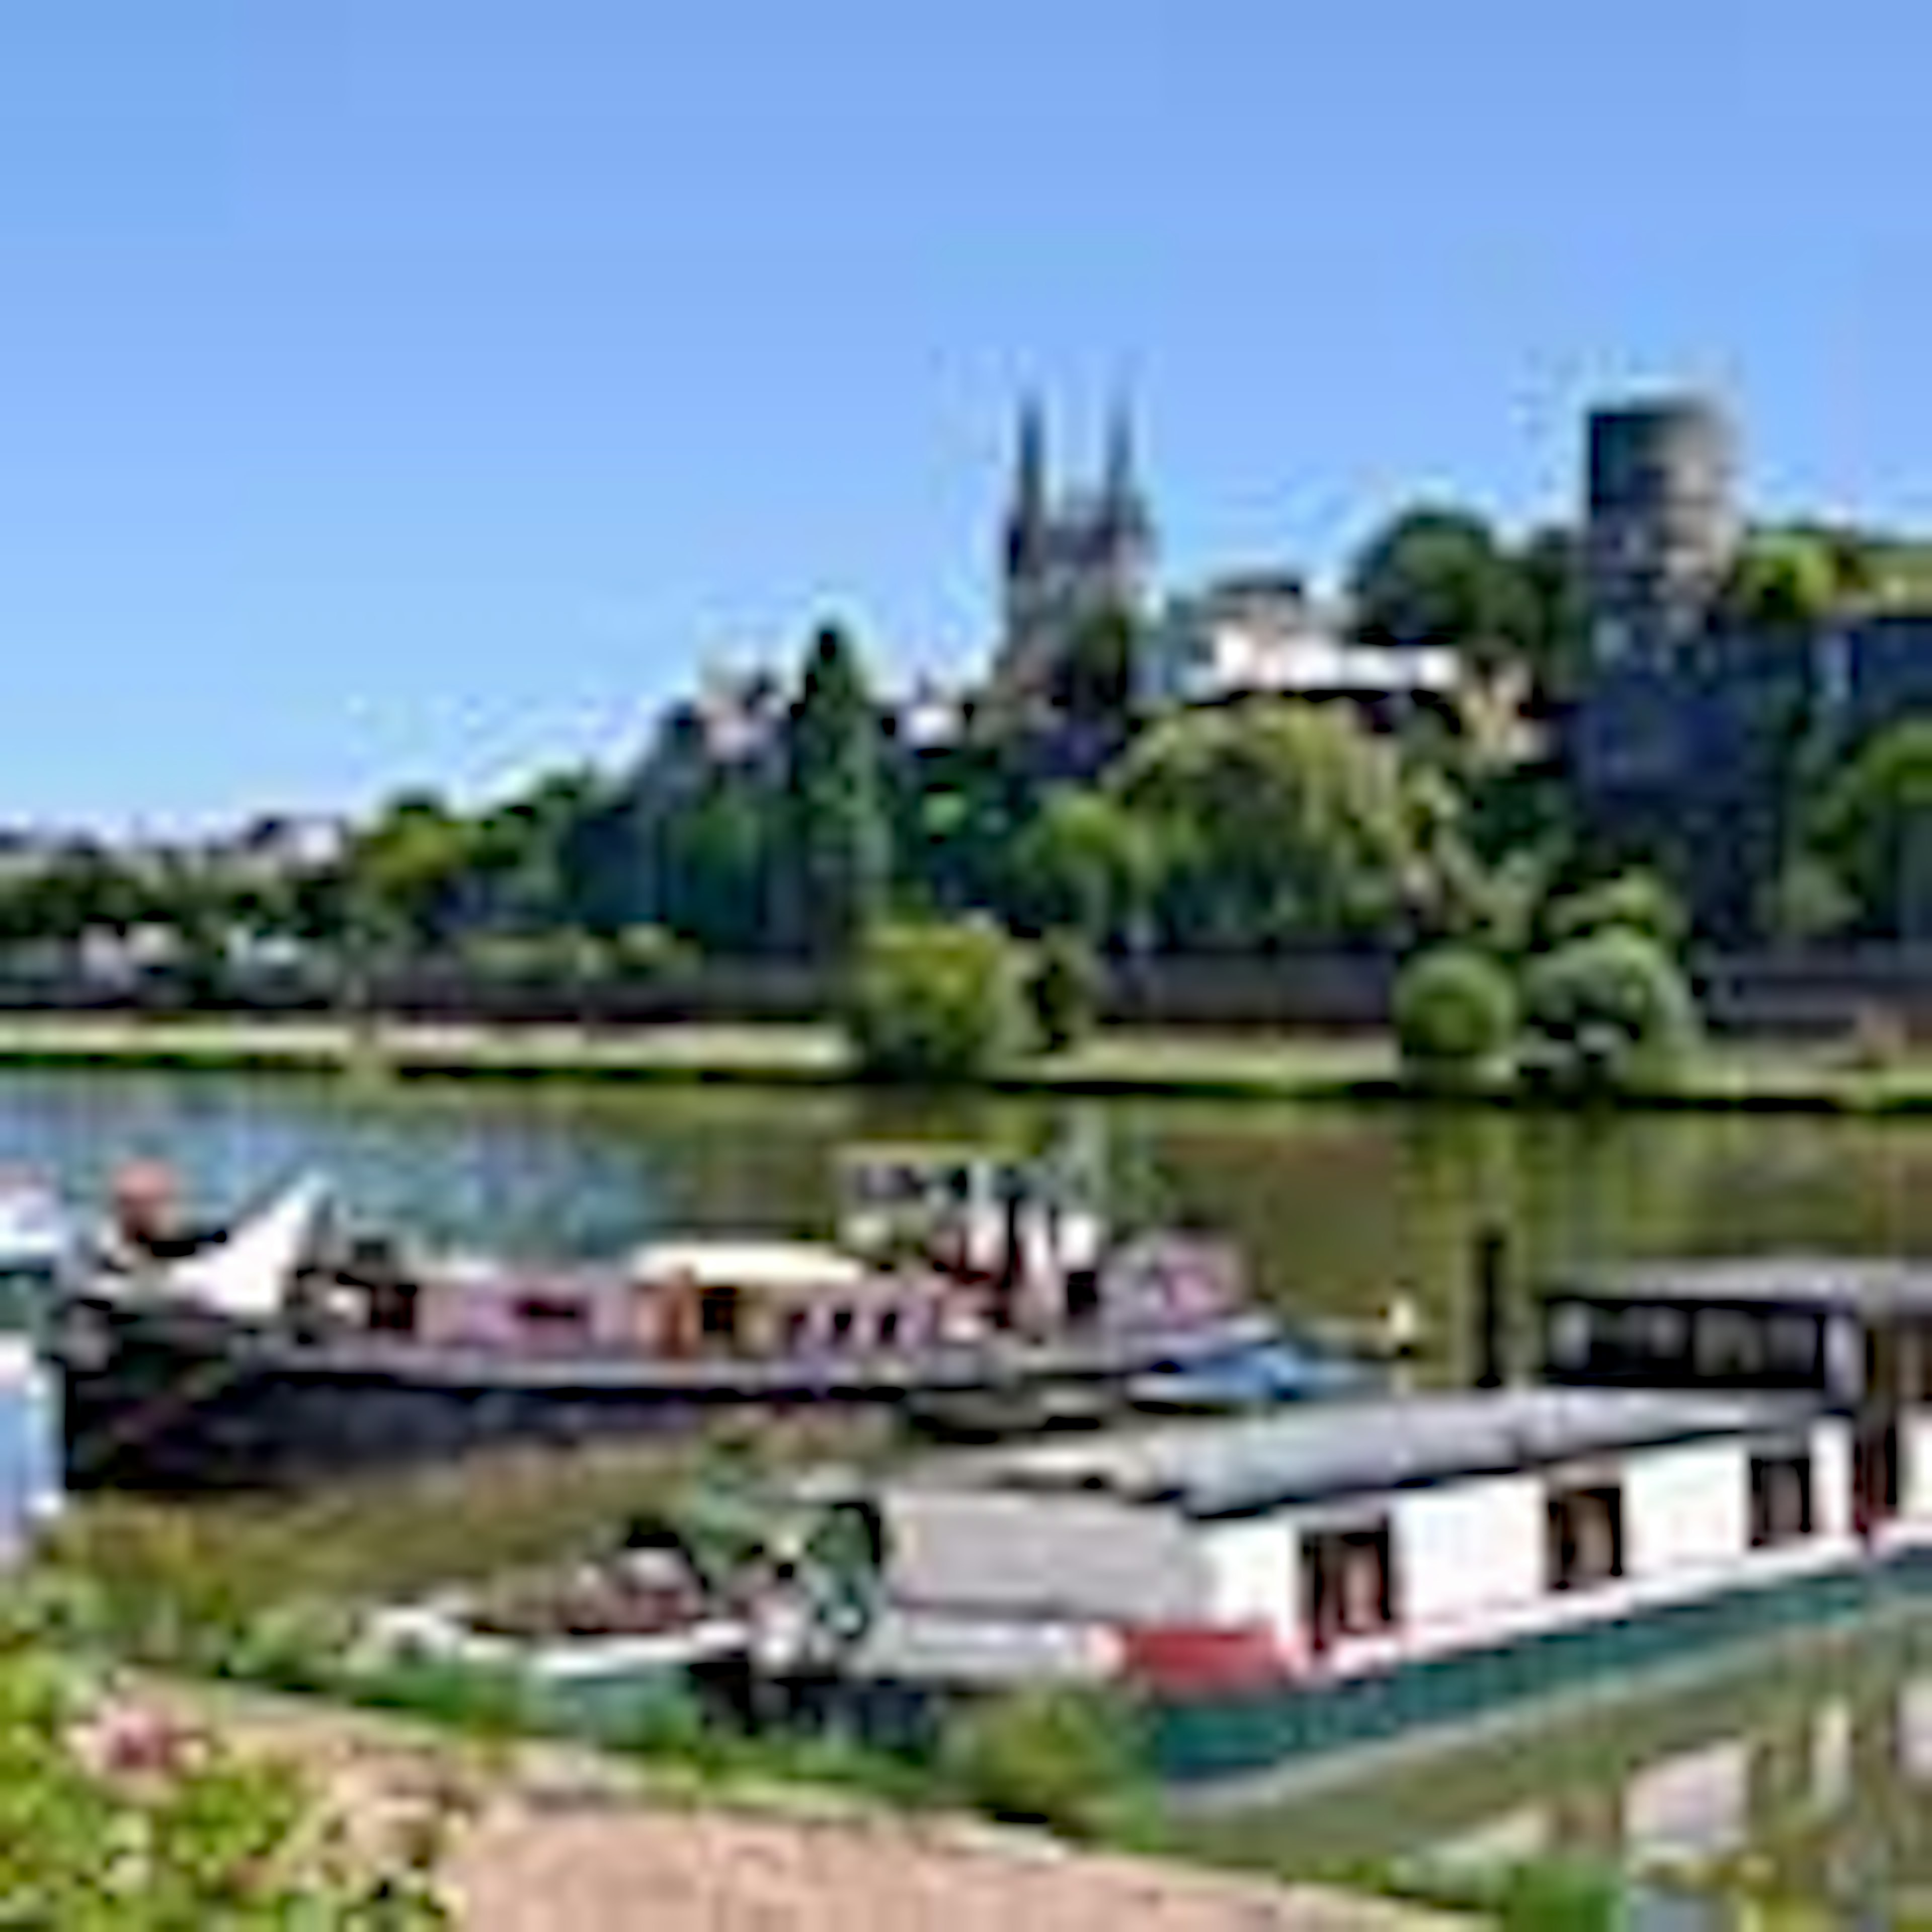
1279, 1587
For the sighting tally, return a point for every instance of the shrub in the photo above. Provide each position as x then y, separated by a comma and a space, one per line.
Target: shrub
938, 1002
1064, 1759
642, 954
1633, 902
1455, 1017
1063, 991
1609, 1013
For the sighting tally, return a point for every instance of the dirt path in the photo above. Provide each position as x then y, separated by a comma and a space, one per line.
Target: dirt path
559, 1840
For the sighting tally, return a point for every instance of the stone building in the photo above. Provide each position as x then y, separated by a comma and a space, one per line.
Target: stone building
1660, 526
1685, 746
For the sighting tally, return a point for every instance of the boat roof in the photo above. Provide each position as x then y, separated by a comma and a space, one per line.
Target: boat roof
1336, 1450
773, 1266
1867, 1284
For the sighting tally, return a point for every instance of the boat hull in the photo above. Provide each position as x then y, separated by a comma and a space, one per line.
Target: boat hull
173, 1397
1246, 1745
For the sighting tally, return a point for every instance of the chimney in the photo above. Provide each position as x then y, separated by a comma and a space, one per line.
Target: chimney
1491, 1325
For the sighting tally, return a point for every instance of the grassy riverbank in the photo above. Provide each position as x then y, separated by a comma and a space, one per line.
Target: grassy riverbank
1755, 1077
1207, 1066
224, 1606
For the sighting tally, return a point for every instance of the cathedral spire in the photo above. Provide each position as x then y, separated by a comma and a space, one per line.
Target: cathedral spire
1026, 512
1121, 489
1030, 467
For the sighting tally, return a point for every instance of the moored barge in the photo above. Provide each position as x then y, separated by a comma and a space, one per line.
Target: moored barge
968, 1291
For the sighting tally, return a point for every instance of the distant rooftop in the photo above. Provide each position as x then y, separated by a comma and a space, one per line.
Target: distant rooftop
1245, 1468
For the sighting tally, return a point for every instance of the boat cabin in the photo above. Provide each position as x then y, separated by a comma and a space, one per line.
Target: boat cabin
1853, 1333
778, 1298
971, 1212
1318, 1545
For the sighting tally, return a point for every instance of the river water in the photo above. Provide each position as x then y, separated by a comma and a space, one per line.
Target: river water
1819, 1764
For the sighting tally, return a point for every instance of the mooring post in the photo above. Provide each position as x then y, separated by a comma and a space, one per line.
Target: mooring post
1492, 1335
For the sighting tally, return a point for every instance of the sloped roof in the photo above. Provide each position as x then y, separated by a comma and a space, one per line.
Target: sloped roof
1341, 1449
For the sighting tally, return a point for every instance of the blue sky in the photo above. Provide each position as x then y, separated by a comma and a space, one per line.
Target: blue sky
400, 390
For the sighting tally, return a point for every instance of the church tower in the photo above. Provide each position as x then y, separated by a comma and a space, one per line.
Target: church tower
1068, 557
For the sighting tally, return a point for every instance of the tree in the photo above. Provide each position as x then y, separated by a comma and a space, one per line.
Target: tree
1455, 1017
840, 856
1783, 583
406, 872
1608, 1013
938, 1002
1087, 861
714, 855
1280, 821
1555, 642
1874, 827
1436, 575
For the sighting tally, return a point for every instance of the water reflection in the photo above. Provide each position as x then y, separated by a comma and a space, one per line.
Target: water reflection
1807, 1770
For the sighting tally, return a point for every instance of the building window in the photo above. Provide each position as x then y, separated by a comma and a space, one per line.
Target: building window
1780, 1498
1586, 1536
1348, 1583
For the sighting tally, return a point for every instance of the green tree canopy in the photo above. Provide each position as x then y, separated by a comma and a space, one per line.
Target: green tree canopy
406, 869
1784, 582
713, 857
1874, 826
840, 855
1437, 575
1087, 861
1280, 822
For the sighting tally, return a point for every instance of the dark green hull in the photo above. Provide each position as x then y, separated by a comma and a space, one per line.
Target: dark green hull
1203, 1740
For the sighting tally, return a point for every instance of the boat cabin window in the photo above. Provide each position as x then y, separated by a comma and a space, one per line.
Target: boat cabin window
844, 1320
1083, 1294
551, 1314
1348, 1583
888, 1334
1663, 1345
1586, 1535
1781, 1498
718, 1314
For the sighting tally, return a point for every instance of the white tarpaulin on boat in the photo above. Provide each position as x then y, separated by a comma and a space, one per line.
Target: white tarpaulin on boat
247, 1275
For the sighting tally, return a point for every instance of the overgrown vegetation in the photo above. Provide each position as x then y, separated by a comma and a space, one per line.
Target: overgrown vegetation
112, 1821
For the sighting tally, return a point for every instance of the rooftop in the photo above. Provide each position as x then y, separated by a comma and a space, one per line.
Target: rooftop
1811, 1282
1340, 1449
